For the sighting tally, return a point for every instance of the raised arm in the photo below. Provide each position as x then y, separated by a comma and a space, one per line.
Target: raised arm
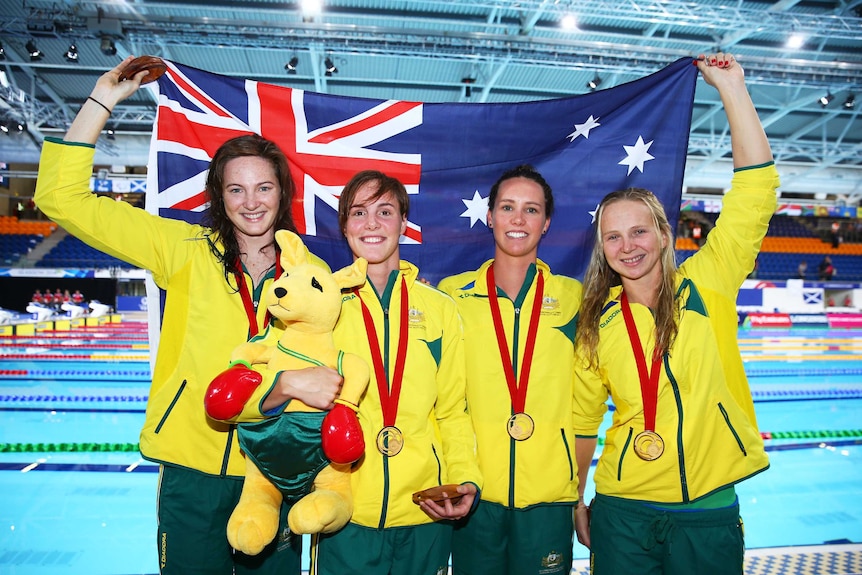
748, 140
96, 110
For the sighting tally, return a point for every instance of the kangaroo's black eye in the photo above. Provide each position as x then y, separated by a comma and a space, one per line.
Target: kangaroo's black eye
316, 285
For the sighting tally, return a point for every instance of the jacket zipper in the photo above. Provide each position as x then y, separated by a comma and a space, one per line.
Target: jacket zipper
683, 479
512, 441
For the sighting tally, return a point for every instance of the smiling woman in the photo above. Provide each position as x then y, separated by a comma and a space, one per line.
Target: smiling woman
518, 335
660, 342
410, 335
228, 259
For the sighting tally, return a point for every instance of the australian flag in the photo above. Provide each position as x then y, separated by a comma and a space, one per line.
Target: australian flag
447, 155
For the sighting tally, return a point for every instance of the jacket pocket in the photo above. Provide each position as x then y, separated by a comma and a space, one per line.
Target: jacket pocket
439, 466
171, 406
568, 454
623, 454
732, 430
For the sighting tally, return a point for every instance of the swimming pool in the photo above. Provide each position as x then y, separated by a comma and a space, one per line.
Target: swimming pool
78, 498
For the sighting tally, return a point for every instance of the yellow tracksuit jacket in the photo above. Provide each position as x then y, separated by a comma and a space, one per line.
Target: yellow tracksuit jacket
541, 469
705, 412
439, 444
204, 318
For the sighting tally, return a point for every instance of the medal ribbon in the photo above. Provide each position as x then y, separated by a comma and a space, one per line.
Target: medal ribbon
648, 379
517, 391
247, 303
388, 397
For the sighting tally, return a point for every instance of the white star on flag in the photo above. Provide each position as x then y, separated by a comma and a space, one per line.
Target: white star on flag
477, 209
637, 155
593, 214
584, 129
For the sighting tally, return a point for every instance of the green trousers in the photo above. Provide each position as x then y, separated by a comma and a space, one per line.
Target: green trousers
496, 540
192, 529
629, 537
413, 550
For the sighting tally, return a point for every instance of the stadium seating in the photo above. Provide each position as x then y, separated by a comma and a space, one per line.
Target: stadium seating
17, 238
790, 241
73, 253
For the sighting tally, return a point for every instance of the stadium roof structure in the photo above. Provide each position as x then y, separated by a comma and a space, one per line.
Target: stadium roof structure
795, 54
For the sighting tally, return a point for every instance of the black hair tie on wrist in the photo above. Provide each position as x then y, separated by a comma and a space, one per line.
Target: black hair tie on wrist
101, 104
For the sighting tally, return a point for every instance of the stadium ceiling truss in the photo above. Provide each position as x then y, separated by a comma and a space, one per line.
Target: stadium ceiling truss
460, 51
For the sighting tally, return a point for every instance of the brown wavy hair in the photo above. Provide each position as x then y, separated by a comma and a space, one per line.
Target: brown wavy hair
600, 278
216, 216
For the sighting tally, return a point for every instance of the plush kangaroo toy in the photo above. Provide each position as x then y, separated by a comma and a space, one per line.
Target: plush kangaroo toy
302, 454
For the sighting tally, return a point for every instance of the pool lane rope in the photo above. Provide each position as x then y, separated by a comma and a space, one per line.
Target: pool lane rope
72, 398
127, 447
823, 434
67, 447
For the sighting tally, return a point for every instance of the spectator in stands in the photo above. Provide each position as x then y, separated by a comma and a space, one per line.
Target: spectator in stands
48, 298
825, 269
67, 297
697, 234
209, 273
836, 235
37, 297
77, 297
802, 269
682, 228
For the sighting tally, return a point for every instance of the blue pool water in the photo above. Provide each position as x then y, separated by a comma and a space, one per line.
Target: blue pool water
93, 512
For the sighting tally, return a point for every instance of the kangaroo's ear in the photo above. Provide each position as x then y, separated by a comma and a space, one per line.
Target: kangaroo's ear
352, 275
293, 251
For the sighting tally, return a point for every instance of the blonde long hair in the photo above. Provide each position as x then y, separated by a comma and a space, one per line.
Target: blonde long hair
600, 278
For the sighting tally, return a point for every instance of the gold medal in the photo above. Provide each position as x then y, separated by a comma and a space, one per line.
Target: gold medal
390, 441
648, 445
520, 426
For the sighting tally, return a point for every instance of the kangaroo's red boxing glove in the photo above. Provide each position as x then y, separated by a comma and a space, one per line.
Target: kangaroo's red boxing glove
341, 434
228, 392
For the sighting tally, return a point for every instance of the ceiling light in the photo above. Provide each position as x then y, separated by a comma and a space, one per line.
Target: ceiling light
795, 41
4, 126
72, 53
35, 53
291, 65
110, 133
594, 83
569, 22
849, 102
330, 67
108, 47
2, 52
311, 8
824, 100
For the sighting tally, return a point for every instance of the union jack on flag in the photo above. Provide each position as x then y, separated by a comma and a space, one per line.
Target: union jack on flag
447, 156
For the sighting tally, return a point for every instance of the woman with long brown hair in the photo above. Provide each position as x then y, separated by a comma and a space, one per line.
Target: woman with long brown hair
213, 275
